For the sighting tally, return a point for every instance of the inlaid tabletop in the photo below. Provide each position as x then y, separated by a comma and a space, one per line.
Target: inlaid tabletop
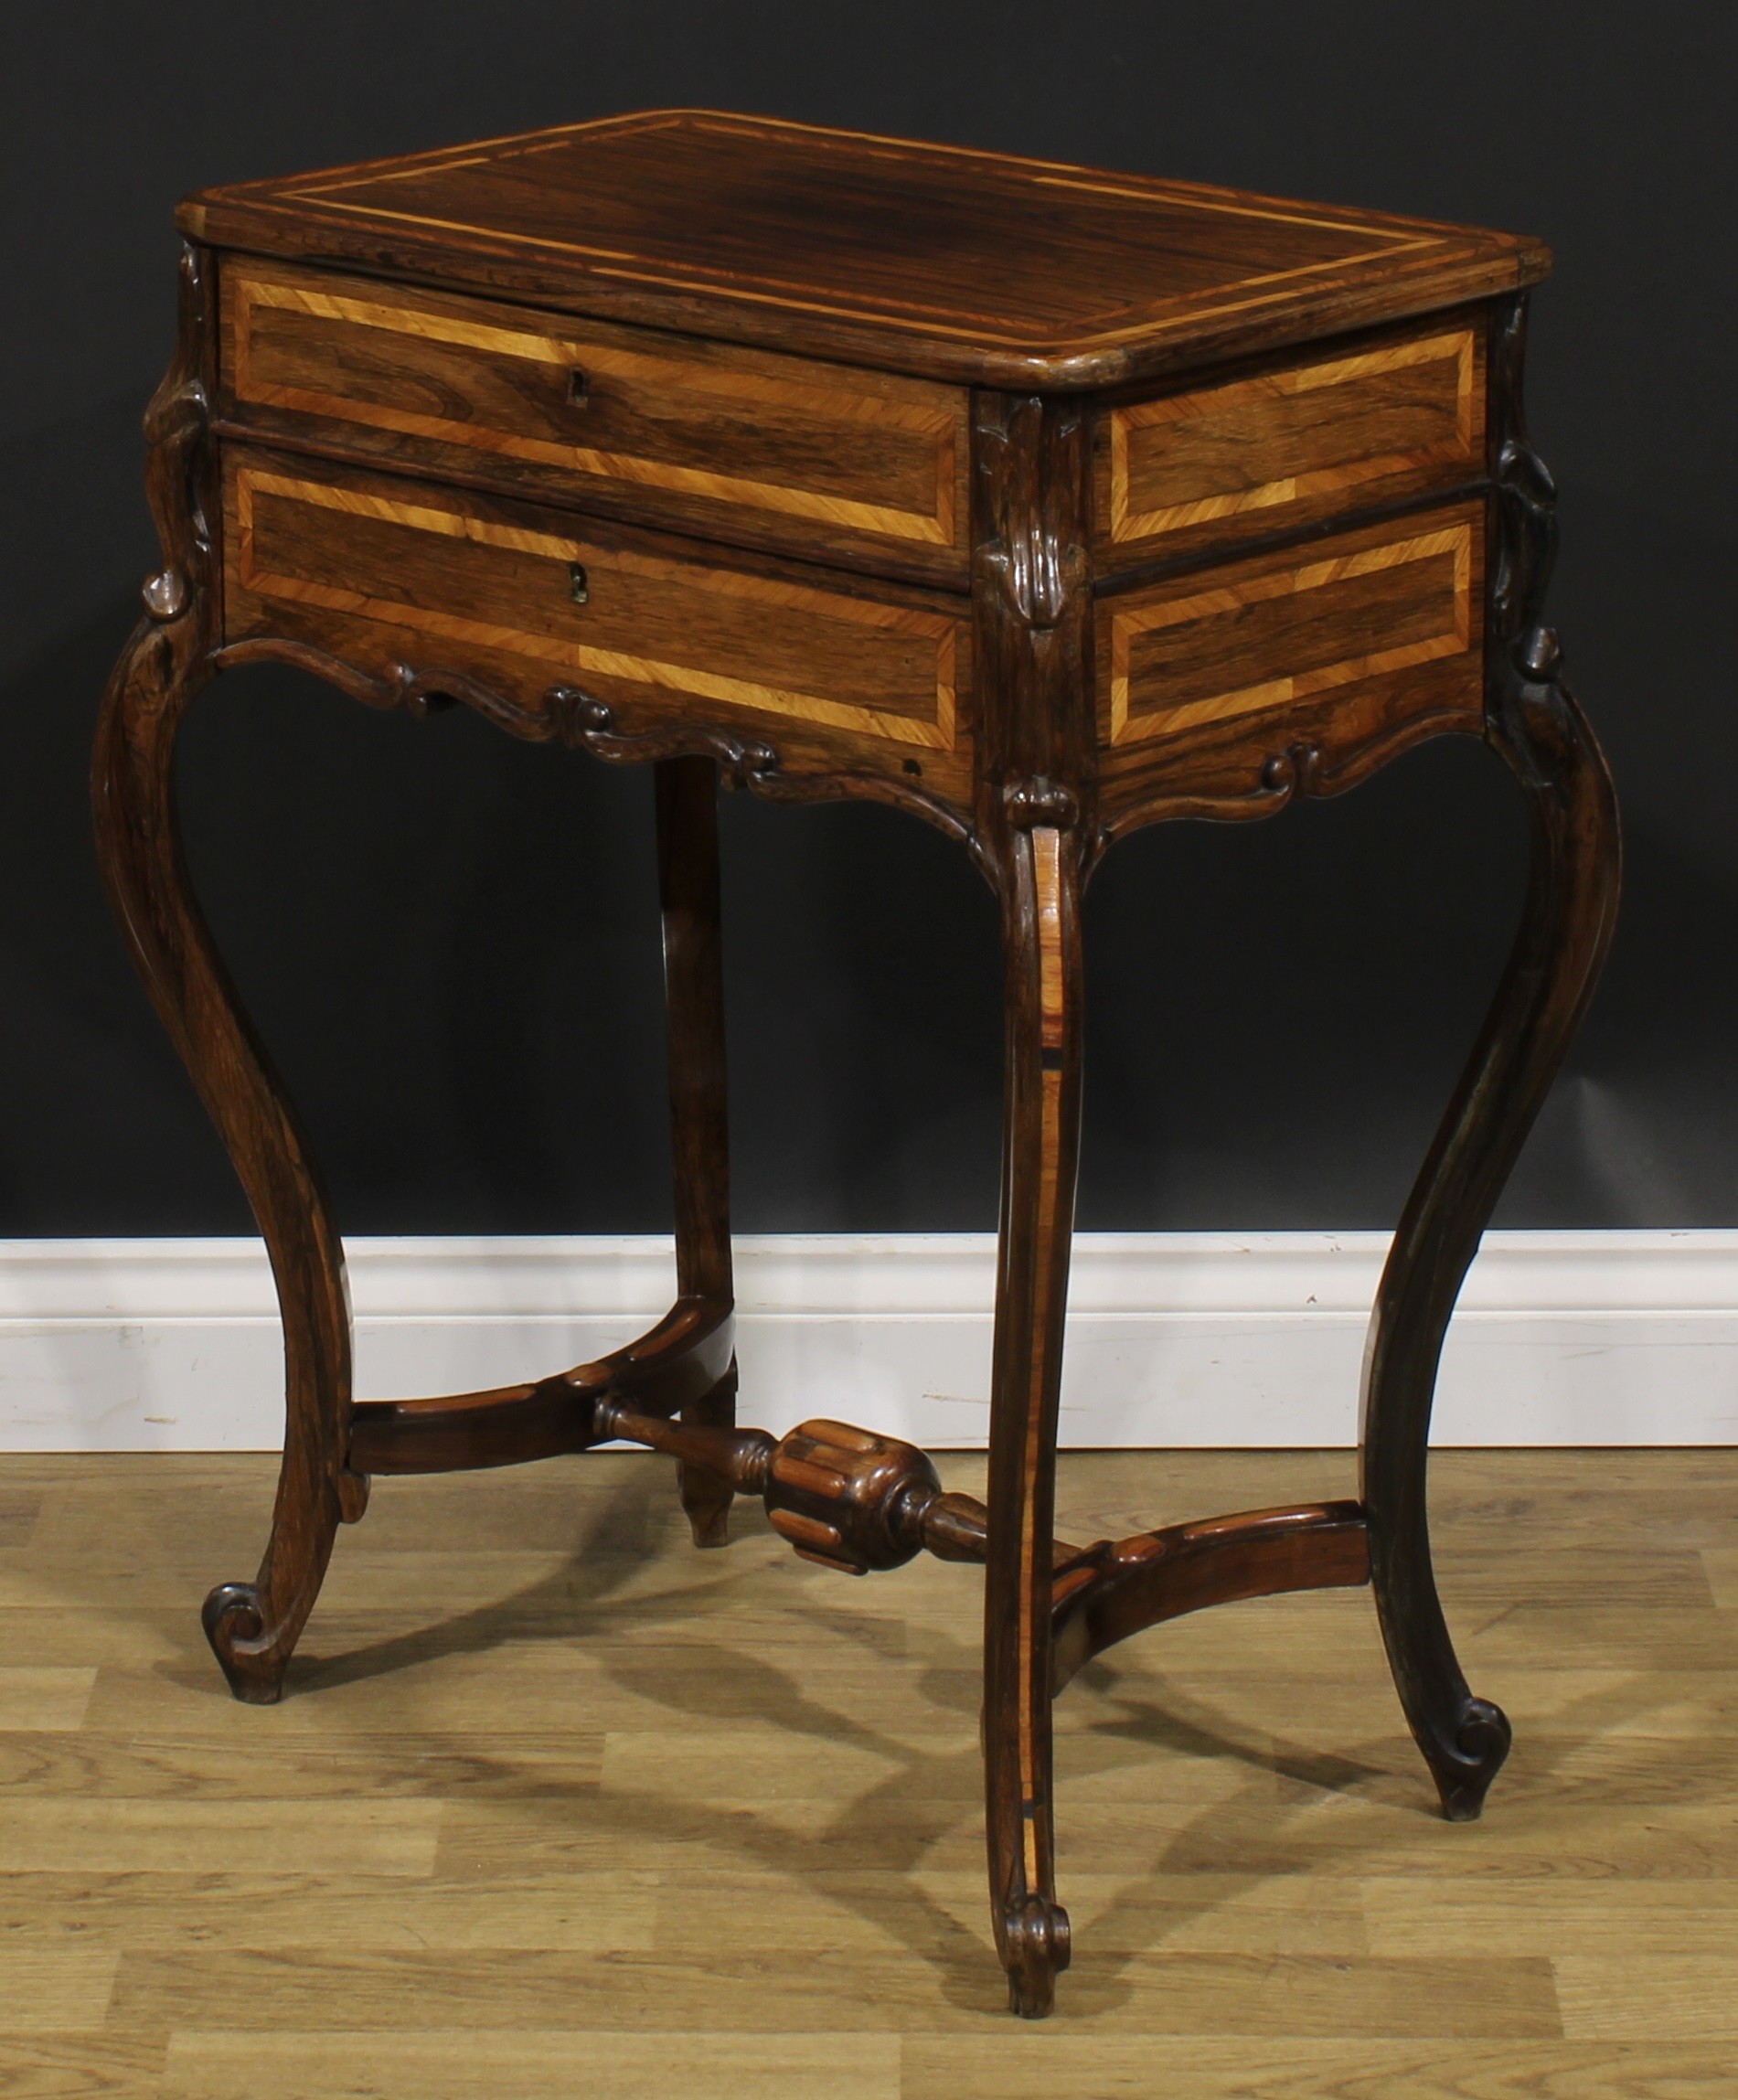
935, 260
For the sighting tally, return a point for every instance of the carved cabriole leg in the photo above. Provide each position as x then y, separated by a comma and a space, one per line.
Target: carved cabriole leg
699, 1110
1036, 810
1566, 925
1040, 1150
252, 1626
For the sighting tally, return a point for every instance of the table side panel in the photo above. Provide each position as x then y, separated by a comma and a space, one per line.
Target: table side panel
382, 572
699, 436
1288, 444
1318, 659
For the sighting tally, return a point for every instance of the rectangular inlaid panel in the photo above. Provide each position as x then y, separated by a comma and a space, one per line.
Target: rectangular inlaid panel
605, 611
1263, 453
1267, 634
969, 266
716, 430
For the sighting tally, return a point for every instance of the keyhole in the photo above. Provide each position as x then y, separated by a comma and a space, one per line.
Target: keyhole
579, 390
578, 589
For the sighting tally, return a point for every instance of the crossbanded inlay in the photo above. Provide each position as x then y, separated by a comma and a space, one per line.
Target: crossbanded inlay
875, 454
398, 560
1273, 633
1323, 428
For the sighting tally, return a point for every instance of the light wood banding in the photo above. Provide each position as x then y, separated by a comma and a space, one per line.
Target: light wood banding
1046, 853
1261, 453
976, 268
680, 636
732, 430
1270, 633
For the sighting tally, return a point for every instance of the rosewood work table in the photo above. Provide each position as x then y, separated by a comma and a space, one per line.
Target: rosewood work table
1042, 503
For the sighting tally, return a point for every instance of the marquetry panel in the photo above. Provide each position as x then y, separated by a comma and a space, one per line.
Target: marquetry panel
474, 586
1207, 650
671, 425
1337, 646
1270, 450
889, 253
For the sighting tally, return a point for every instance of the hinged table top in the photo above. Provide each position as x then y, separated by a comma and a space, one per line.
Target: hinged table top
977, 267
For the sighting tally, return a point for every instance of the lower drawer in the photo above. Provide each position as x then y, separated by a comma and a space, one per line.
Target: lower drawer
1337, 648
383, 571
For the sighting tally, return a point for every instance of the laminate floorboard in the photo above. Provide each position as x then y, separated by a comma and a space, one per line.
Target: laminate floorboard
556, 1807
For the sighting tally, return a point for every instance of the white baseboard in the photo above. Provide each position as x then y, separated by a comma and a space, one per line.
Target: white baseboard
1175, 1339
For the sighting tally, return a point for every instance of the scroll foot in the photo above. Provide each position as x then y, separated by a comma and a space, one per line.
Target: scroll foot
234, 1625
1035, 1949
1464, 1770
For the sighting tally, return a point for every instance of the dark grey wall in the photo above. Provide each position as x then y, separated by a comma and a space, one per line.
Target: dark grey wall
449, 938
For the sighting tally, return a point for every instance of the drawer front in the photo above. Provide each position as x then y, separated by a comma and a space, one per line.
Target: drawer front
678, 430
1333, 646
397, 570
1271, 451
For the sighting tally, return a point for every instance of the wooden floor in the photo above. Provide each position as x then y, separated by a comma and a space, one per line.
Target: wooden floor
560, 1806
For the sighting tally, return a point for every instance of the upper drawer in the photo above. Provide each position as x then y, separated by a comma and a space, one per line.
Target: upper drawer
1293, 443
735, 442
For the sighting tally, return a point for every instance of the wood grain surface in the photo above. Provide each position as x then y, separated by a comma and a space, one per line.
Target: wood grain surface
1307, 667
706, 435
579, 1812
973, 267
1292, 443
1261, 636
327, 558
